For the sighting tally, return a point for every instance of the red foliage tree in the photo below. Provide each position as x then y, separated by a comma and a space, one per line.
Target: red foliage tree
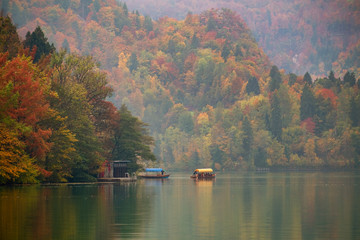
309, 125
31, 108
328, 94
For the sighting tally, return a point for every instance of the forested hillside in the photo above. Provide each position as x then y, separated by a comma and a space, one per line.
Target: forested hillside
298, 35
55, 122
210, 95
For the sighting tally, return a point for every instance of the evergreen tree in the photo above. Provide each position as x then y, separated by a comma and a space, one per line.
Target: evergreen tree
96, 5
238, 53
133, 62
195, 159
65, 45
137, 22
350, 78
354, 113
307, 103
307, 79
332, 82
275, 79
225, 51
248, 139
195, 41
171, 47
253, 86
84, 7
211, 24
37, 39
260, 158
275, 117
125, 8
292, 79
148, 24
65, 4
185, 122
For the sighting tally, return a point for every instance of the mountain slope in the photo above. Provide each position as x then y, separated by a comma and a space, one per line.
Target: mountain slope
208, 92
299, 35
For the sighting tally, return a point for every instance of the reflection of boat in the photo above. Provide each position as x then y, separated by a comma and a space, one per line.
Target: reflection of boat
154, 173
203, 173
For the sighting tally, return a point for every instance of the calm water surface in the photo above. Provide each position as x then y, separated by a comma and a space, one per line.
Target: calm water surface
234, 206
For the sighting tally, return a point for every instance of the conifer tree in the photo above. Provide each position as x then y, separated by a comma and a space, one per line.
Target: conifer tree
248, 138
307, 78
275, 117
354, 113
253, 86
37, 39
350, 78
292, 79
148, 24
275, 79
65, 45
125, 8
211, 24
133, 62
195, 41
225, 51
307, 103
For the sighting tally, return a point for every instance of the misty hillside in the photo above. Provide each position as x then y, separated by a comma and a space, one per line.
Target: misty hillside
209, 93
298, 36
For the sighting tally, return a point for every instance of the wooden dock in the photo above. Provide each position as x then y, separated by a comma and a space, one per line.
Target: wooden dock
109, 180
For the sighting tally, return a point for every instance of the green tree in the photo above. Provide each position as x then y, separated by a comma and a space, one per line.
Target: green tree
275, 117
133, 62
211, 24
37, 39
354, 112
195, 42
148, 24
131, 140
125, 9
349, 78
225, 51
275, 79
238, 53
253, 86
65, 45
65, 4
307, 103
185, 122
292, 79
248, 139
307, 78
81, 89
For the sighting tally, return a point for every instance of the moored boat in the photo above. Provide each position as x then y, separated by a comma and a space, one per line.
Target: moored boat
154, 173
203, 173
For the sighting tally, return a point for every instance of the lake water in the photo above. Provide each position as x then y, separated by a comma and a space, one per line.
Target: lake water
311, 205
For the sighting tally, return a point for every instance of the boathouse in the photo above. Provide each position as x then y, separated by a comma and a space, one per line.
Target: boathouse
115, 169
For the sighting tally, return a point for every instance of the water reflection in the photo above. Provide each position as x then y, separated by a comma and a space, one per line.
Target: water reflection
234, 206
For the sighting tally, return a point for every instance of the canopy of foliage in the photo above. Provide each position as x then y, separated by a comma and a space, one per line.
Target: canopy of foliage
298, 35
207, 91
55, 122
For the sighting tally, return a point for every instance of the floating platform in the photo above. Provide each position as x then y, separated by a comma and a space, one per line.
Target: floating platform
128, 179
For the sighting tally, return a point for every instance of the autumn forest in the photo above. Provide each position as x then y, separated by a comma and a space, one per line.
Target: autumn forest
88, 81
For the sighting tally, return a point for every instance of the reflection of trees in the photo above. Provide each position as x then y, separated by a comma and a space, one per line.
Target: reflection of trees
246, 206
204, 215
130, 209
71, 211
